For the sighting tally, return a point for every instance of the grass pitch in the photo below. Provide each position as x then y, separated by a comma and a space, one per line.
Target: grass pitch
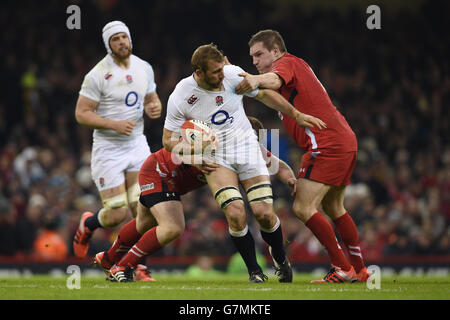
223, 287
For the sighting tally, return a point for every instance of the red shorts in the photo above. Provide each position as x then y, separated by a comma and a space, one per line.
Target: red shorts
166, 181
329, 168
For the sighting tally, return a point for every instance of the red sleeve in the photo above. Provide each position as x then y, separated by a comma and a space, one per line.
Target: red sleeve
282, 68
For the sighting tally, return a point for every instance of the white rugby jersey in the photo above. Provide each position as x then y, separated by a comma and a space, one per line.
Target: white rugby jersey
222, 110
120, 94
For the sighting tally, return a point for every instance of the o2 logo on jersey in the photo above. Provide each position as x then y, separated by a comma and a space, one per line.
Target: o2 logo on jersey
131, 99
220, 117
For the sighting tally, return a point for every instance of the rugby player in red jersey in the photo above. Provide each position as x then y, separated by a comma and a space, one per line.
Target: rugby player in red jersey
160, 218
330, 155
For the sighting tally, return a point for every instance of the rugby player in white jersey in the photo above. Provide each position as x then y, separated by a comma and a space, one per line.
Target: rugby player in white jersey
209, 95
112, 100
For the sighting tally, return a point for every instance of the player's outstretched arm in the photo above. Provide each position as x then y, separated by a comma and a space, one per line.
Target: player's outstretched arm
85, 115
276, 101
250, 82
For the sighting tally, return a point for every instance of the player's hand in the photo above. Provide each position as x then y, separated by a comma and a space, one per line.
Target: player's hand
247, 85
153, 110
208, 165
209, 143
124, 127
292, 183
305, 120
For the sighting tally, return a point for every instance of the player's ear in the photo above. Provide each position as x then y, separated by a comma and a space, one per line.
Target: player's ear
198, 73
276, 51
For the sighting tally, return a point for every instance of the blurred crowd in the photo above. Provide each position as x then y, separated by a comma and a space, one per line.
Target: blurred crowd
392, 85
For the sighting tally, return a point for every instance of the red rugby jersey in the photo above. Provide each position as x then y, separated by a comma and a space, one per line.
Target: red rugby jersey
186, 177
303, 90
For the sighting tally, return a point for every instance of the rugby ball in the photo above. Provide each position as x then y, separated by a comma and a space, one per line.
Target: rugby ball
195, 130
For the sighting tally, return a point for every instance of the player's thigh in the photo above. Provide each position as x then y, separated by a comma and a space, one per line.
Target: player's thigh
308, 197
222, 177
224, 185
333, 202
168, 213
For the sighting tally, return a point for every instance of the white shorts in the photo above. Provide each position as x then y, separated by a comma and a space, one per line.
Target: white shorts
109, 162
245, 159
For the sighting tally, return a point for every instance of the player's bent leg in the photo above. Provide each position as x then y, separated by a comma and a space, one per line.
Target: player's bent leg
235, 214
260, 197
308, 198
115, 206
333, 205
224, 185
333, 202
129, 234
170, 225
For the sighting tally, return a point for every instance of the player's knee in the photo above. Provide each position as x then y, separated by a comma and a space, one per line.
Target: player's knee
143, 223
333, 209
174, 231
329, 208
113, 217
235, 213
302, 211
169, 232
116, 209
116, 202
260, 197
263, 213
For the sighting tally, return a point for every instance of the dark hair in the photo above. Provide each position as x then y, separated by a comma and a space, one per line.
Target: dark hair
269, 38
203, 54
256, 124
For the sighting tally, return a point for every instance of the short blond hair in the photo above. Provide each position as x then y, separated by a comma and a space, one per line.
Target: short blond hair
203, 54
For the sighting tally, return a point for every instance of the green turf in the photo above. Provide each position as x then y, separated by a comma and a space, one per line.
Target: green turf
223, 287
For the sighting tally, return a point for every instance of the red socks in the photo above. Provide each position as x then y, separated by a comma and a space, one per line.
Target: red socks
349, 235
126, 238
324, 232
147, 245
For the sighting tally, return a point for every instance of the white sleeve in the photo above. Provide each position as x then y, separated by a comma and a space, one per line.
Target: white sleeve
91, 88
174, 117
151, 87
235, 79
